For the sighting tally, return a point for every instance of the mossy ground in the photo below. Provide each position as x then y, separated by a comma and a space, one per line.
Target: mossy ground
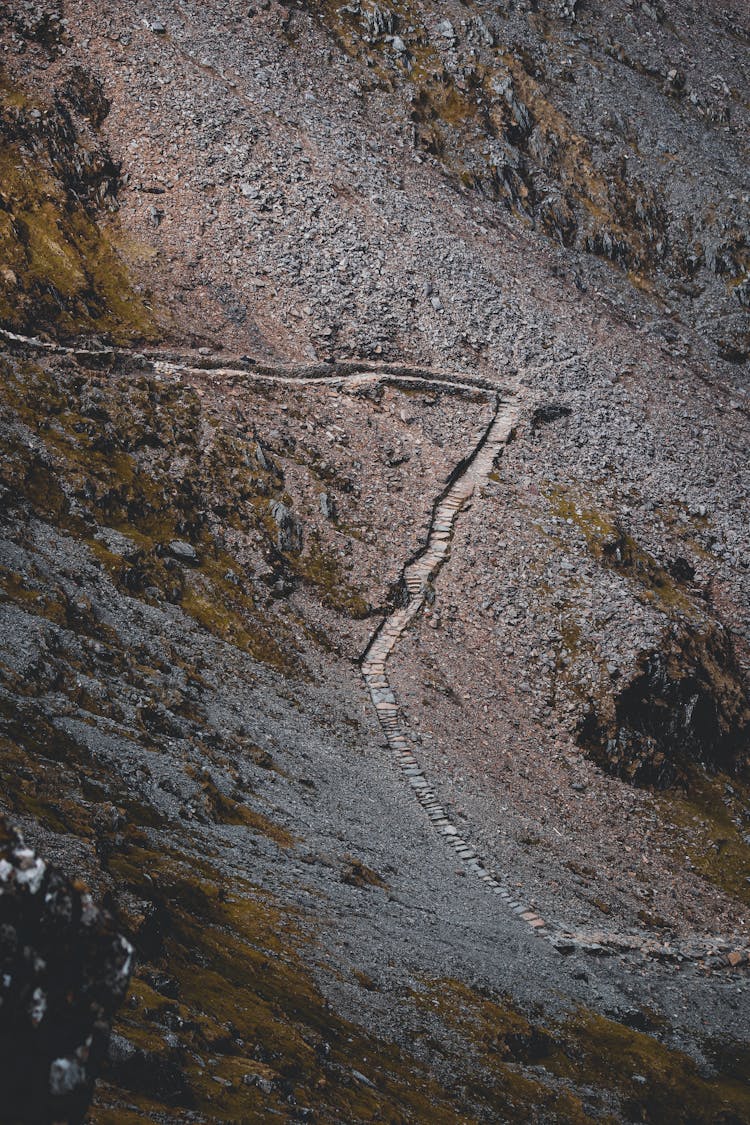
61, 270
458, 117
323, 572
226, 810
580, 1068
244, 1007
712, 818
612, 546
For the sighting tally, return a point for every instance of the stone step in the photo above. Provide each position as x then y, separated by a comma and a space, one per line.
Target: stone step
416, 577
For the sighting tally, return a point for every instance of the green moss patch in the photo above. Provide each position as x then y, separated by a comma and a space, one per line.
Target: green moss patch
255, 1033
615, 548
322, 571
651, 1081
584, 1067
227, 810
109, 463
61, 271
713, 818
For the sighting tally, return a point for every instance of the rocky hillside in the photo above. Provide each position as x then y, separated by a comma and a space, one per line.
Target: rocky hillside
406, 342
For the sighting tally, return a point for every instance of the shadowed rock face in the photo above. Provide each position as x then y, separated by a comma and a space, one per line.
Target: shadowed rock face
63, 973
685, 705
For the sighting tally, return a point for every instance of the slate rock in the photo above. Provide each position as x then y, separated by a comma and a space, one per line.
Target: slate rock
289, 535
327, 506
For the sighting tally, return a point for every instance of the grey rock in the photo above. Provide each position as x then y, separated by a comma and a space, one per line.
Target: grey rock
265, 1085
327, 506
65, 1077
116, 542
289, 536
182, 551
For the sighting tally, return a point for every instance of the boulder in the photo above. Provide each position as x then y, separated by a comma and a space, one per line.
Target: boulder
183, 552
327, 506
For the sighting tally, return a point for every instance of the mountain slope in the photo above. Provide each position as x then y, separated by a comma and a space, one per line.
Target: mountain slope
280, 267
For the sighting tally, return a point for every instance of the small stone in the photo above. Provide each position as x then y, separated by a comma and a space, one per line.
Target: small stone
289, 536
182, 551
564, 945
265, 1085
327, 506
66, 1076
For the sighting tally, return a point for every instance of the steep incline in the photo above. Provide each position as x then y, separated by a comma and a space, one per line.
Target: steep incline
529, 220
419, 575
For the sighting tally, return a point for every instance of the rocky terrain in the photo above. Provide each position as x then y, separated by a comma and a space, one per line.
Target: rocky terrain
375, 639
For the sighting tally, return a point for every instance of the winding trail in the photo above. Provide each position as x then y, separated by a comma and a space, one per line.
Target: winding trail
419, 574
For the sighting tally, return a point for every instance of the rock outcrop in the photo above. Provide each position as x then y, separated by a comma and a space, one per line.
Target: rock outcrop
63, 973
685, 706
